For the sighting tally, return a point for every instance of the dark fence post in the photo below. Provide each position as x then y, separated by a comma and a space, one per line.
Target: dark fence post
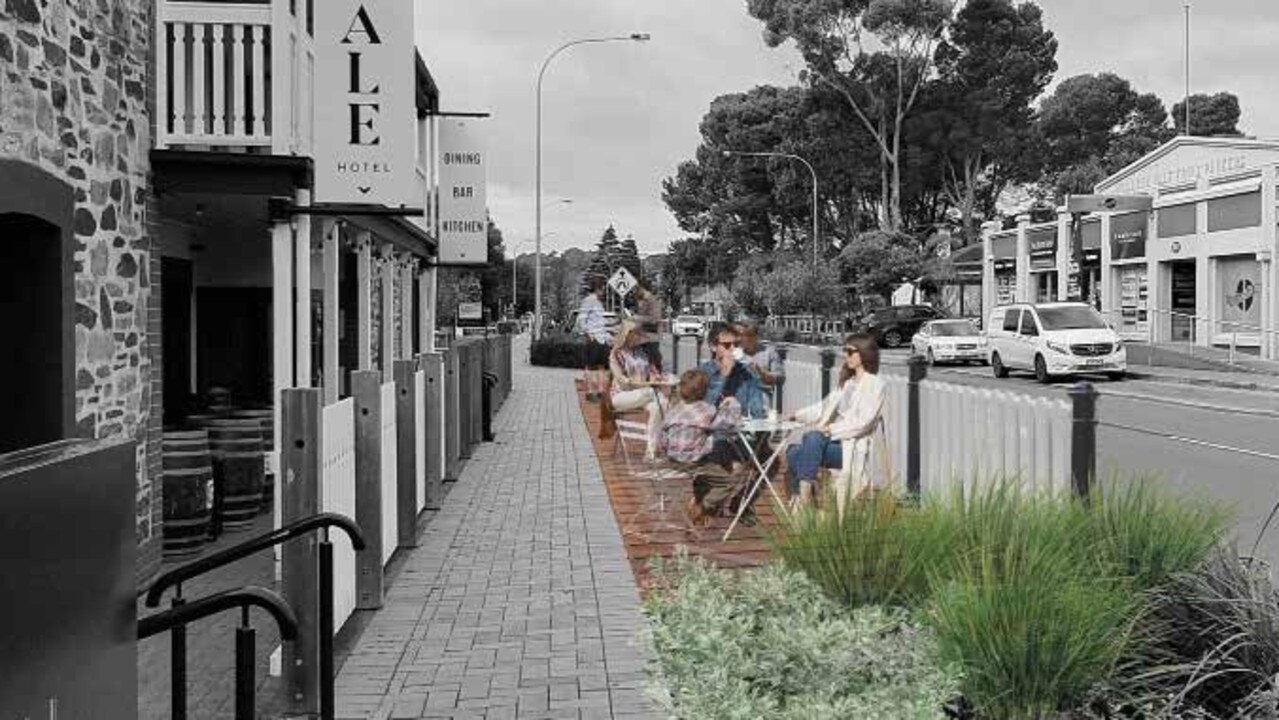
366, 388
1083, 438
780, 387
406, 452
674, 354
828, 362
918, 369
300, 463
435, 421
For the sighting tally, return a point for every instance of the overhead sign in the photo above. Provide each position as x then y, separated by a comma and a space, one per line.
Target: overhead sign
470, 311
1108, 203
365, 103
622, 282
1128, 236
463, 205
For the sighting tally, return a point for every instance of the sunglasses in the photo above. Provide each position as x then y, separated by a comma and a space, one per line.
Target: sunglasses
727, 343
851, 351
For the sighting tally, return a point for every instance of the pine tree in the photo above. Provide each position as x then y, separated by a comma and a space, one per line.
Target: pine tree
605, 261
628, 257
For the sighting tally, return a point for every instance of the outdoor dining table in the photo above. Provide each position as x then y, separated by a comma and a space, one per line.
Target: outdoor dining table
750, 431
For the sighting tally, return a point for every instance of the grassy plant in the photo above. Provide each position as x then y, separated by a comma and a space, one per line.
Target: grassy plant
768, 644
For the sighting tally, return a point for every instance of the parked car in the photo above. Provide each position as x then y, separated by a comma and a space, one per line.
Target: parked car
688, 325
1054, 340
950, 341
895, 326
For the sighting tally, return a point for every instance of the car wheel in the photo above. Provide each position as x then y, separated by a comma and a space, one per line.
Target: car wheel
1116, 376
997, 365
892, 339
1041, 370
932, 359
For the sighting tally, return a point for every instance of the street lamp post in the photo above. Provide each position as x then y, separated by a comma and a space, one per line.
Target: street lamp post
811, 171
537, 272
515, 263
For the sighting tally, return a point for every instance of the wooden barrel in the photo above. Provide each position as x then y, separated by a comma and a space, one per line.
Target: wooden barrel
266, 417
238, 469
188, 491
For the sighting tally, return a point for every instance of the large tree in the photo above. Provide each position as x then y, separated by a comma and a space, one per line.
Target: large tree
997, 59
876, 54
1209, 115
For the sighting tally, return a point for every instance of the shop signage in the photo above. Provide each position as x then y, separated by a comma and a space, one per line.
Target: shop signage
470, 311
365, 112
1128, 236
463, 164
1187, 173
1043, 262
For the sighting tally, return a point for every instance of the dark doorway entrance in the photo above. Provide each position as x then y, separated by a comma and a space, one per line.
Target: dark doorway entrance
33, 314
233, 330
176, 335
1183, 301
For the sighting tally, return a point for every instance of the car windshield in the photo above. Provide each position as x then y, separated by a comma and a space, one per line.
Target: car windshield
957, 328
687, 319
1070, 317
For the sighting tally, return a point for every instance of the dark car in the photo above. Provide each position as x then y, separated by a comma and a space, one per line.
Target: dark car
895, 326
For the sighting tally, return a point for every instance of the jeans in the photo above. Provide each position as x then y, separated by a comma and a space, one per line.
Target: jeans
814, 452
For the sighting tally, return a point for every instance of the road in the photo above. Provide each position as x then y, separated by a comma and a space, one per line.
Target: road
1216, 443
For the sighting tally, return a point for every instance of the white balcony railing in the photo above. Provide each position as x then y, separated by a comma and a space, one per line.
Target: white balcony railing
234, 74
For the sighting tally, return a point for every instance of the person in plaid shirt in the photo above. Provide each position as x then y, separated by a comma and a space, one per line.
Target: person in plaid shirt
695, 431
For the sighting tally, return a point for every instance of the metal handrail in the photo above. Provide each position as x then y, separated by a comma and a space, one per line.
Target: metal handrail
175, 577
243, 598
176, 618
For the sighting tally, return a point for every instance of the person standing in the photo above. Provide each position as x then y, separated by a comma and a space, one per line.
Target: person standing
848, 430
597, 338
651, 312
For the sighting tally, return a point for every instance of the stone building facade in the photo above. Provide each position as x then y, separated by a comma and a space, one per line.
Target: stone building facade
76, 102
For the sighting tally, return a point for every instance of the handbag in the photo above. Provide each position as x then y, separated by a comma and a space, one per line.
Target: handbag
608, 418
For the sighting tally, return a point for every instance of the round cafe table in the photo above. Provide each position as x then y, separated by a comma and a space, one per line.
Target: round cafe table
750, 432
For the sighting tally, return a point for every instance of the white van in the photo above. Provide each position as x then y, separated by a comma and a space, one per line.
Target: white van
1054, 339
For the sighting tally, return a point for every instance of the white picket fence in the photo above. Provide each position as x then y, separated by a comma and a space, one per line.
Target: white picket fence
966, 432
390, 492
337, 495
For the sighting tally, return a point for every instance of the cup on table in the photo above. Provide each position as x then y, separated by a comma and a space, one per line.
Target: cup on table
772, 416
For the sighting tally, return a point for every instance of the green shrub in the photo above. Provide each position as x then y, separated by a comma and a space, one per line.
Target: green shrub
561, 351
767, 644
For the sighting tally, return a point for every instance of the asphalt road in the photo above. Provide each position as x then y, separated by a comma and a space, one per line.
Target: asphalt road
1217, 443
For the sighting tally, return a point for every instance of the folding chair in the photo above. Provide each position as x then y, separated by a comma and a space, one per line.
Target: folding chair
657, 476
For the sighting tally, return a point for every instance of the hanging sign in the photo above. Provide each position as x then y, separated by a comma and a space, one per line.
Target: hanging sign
365, 104
463, 206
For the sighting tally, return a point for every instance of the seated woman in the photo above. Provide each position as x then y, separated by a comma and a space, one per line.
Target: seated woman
636, 383
847, 428
697, 432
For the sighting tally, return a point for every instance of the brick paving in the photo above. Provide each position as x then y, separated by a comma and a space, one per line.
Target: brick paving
519, 601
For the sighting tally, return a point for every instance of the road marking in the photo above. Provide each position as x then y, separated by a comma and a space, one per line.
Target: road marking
1193, 441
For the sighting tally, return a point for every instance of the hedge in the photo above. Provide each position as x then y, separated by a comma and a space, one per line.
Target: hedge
561, 351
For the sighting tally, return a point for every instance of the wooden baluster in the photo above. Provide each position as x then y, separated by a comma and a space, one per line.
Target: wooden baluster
219, 107
238, 107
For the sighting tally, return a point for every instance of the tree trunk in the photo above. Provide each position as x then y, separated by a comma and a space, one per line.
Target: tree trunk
885, 193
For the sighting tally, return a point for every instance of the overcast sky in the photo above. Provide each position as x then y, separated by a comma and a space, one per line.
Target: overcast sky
619, 117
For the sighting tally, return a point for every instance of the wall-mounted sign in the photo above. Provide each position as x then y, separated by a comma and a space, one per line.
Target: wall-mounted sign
1128, 236
463, 196
470, 311
365, 104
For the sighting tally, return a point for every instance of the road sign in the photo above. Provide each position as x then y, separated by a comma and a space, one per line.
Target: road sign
622, 282
1108, 203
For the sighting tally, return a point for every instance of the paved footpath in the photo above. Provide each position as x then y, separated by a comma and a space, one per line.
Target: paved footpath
519, 601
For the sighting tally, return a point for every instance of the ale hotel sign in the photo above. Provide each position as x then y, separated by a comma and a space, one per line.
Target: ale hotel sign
365, 113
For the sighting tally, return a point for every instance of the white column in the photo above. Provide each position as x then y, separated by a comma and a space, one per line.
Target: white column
1204, 272
1109, 306
1025, 293
282, 73
387, 273
406, 306
1269, 270
332, 268
302, 280
281, 336
364, 299
1065, 254
424, 328
430, 297
987, 271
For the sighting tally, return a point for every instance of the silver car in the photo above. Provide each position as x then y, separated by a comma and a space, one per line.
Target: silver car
943, 341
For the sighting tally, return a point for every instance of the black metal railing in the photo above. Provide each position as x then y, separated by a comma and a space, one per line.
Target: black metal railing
178, 615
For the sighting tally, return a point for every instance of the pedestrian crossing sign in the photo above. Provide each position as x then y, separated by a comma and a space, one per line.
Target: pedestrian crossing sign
622, 282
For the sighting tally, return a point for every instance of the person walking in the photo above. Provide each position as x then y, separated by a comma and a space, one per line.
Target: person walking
650, 313
636, 383
847, 432
597, 339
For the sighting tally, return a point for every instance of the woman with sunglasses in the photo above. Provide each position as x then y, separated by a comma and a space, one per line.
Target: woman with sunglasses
847, 428
637, 383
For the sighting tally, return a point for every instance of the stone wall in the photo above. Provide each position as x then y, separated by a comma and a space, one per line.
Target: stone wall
74, 85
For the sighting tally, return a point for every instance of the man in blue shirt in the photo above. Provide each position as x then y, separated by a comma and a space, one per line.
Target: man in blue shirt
730, 377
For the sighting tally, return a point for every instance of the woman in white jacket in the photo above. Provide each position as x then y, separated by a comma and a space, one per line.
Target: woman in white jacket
847, 428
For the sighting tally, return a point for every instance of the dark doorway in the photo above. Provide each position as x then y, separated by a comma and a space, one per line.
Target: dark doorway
176, 334
1183, 301
32, 313
233, 329
348, 321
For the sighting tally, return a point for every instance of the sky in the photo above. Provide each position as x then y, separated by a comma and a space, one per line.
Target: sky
618, 118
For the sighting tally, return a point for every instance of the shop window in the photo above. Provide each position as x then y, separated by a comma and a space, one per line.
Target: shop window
1235, 211
1177, 220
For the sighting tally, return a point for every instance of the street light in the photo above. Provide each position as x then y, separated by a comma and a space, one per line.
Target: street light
561, 201
537, 273
515, 261
730, 153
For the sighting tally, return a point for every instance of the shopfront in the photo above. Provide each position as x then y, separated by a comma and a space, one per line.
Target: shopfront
1084, 267
1130, 311
1004, 254
1042, 246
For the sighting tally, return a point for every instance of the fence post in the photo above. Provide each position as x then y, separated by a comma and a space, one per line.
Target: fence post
780, 387
674, 354
918, 369
406, 431
433, 363
452, 415
828, 362
1083, 438
366, 388
299, 490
